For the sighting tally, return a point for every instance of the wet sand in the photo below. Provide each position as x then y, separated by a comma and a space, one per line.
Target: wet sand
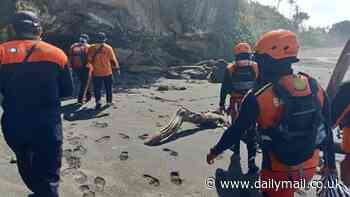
106, 155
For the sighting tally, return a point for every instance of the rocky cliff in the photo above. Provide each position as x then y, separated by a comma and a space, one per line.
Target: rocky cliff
145, 31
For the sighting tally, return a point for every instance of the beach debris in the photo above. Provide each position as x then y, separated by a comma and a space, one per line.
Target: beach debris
163, 88
175, 178
152, 180
211, 119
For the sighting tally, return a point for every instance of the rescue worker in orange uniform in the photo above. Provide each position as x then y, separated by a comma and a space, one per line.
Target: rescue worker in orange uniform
34, 76
292, 113
78, 60
104, 61
239, 78
341, 118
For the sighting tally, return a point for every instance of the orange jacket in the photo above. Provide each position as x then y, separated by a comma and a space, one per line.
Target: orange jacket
272, 110
103, 60
264, 108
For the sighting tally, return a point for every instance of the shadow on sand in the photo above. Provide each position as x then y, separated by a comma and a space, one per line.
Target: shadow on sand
234, 173
74, 112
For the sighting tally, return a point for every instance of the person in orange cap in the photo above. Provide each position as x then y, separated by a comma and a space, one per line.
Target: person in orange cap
293, 115
239, 78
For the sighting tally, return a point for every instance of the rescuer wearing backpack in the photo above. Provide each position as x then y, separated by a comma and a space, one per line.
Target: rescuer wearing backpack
240, 77
292, 114
33, 77
78, 60
341, 118
103, 59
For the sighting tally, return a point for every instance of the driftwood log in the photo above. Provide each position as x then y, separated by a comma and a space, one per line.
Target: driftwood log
203, 120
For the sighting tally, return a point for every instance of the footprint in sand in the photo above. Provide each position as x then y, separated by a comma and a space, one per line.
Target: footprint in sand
79, 150
67, 171
80, 177
124, 136
144, 136
89, 194
103, 139
67, 153
84, 188
171, 152
74, 162
100, 124
70, 134
124, 156
100, 184
175, 178
152, 180
74, 141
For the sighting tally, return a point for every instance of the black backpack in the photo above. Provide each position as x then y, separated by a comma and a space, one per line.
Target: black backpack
302, 127
243, 79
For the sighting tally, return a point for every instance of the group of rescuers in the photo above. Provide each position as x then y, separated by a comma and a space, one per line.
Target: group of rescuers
288, 114
34, 77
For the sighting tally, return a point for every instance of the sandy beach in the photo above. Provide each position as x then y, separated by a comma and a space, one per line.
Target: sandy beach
111, 159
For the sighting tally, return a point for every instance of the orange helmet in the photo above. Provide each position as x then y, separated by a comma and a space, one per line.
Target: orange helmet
242, 47
278, 44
